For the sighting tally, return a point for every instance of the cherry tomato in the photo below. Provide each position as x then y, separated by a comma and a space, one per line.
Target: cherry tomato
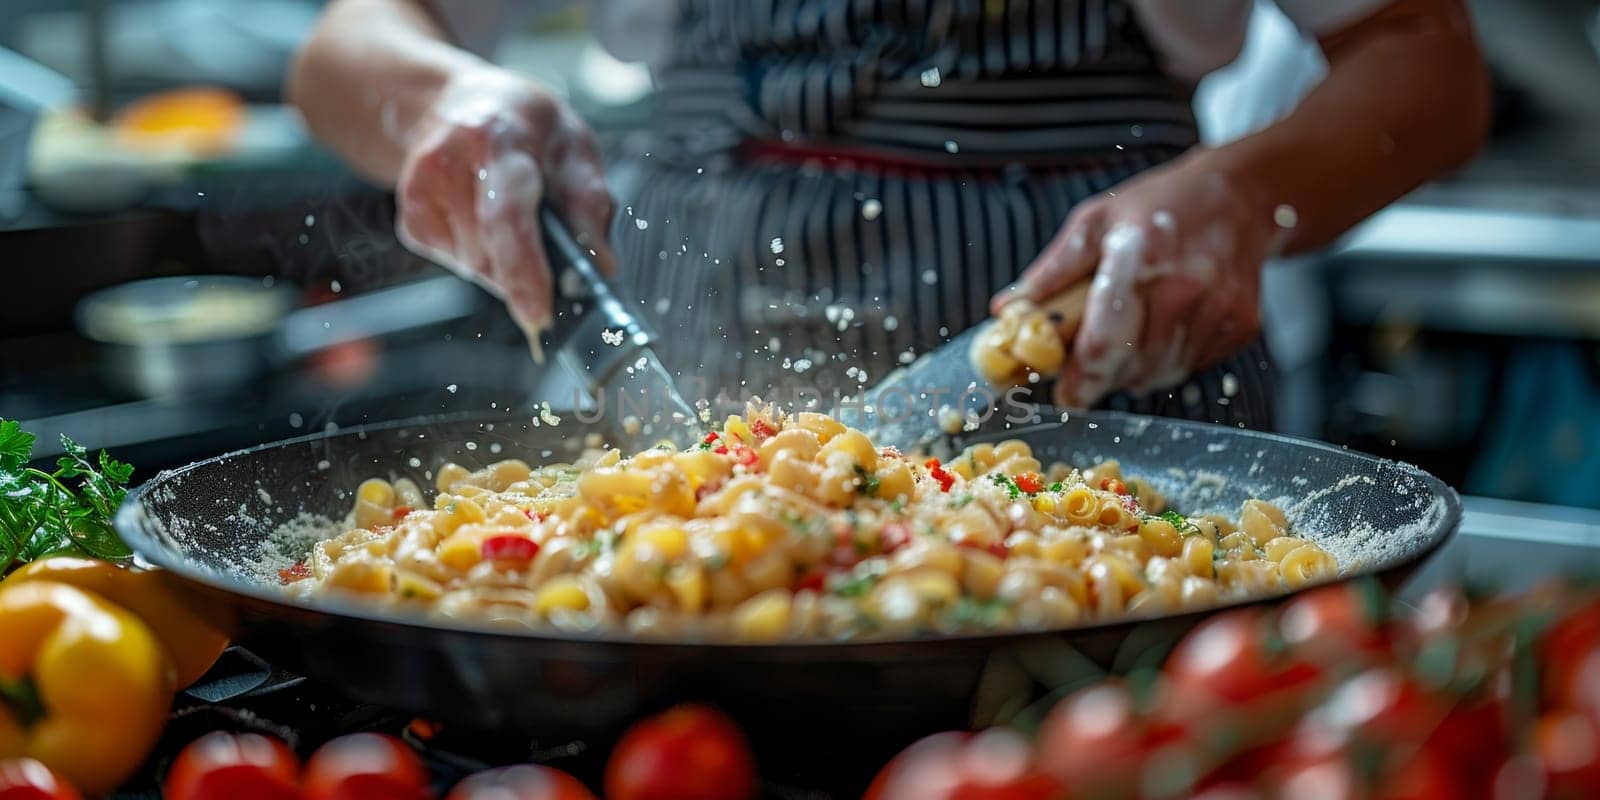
226, 766
1328, 778
1472, 738
1092, 737
1379, 706
1564, 650
27, 779
366, 766
1567, 744
1421, 775
994, 765
522, 782
1228, 791
687, 753
1225, 662
1333, 624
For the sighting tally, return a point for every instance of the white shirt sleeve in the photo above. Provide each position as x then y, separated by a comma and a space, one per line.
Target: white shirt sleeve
1320, 17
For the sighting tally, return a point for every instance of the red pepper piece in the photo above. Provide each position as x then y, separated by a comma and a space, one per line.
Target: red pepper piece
295, 573
401, 512
894, 536
1114, 485
762, 429
509, 547
811, 580
1029, 482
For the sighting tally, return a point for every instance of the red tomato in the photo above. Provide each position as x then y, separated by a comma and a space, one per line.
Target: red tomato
1568, 746
1564, 651
27, 779
1379, 706
226, 766
1095, 740
521, 782
1228, 791
1472, 738
687, 753
1334, 623
994, 765
1329, 778
366, 766
1422, 775
509, 547
1225, 662
1113, 485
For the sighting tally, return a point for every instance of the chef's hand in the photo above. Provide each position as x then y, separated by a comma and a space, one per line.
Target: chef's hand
1176, 254
490, 147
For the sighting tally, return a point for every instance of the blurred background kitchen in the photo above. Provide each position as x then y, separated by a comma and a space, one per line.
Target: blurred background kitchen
1459, 329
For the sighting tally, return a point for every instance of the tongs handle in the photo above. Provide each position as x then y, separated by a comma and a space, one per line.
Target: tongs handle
586, 315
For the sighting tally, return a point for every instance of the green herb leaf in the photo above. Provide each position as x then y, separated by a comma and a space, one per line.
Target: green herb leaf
867, 483
855, 586
65, 511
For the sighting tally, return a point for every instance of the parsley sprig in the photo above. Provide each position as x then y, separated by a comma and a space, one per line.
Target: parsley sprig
67, 511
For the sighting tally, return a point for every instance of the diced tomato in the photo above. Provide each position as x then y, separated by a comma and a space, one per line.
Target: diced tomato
401, 512
746, 455
710, 437
762, 429
894, 536
1114, 485
720, 450
1130, 503
811, 580
938, 473
295, 573
1029, 482
536, 516
509, 547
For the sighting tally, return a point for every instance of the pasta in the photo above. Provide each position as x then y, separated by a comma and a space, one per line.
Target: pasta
779, 526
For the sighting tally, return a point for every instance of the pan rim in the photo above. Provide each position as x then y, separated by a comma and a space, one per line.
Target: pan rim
131, 522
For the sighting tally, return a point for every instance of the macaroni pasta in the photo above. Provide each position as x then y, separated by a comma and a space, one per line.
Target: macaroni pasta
780, 526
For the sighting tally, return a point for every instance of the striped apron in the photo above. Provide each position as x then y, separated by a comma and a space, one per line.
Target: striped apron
835, 186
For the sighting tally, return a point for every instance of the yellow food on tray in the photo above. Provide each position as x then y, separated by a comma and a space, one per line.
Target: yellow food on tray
778, 526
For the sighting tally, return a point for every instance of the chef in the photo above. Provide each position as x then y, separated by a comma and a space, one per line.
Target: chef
833, 186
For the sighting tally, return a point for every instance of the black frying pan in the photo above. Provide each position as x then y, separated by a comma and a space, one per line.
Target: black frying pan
208, 523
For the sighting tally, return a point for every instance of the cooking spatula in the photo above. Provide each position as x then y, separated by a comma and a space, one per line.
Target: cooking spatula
904, 409
606, 350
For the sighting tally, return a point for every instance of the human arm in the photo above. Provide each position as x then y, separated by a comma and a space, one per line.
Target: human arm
471, 149
1177, 251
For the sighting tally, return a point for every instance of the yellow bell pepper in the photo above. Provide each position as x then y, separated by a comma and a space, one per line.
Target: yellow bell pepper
84, 685
192, 633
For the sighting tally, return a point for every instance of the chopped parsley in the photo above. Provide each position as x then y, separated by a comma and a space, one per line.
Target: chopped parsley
969, 612
1012, 489
855, 586
961, 501
603, 542
866, 482
1179, 521
1056, 488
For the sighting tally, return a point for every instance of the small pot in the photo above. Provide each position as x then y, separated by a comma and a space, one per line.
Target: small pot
185, 335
